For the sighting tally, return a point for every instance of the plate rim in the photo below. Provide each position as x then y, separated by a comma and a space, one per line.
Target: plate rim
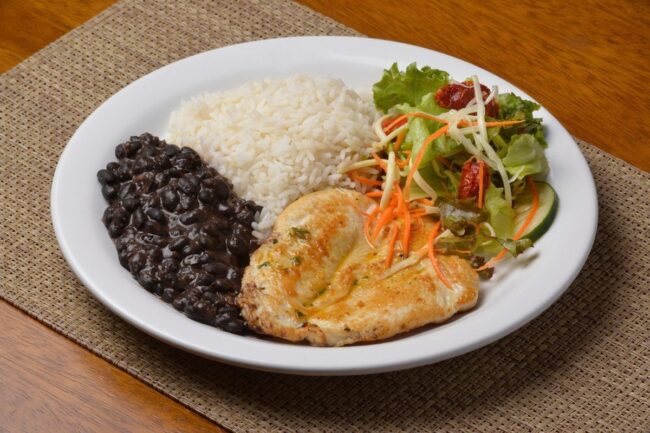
260, 364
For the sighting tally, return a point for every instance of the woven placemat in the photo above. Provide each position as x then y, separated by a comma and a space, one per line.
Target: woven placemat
581, 366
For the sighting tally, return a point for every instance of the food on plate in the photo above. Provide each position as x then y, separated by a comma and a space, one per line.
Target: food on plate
317, 279
376, 215
278, 139
461, 154
179, 228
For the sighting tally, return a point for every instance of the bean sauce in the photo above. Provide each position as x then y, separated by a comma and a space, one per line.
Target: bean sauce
179, 228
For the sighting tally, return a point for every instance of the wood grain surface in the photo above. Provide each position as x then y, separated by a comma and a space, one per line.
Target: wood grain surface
587, 65
50, 384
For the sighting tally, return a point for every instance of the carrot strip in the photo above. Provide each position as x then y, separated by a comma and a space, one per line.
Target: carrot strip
366, 226
444, 161
432, 255
522, 229
385, 217
419, 156
499, 123
374, 194
400, 120
391, 245
365, 180
380, 161
481, 169
400, 139
533, 210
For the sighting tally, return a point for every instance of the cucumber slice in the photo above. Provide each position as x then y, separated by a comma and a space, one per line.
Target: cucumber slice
548, 203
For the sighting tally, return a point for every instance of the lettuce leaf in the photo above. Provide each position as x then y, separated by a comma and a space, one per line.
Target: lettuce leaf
408, 87
501, 216
525, 156
512, 107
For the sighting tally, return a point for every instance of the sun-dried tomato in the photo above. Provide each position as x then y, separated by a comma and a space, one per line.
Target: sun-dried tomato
458, 95
469, 183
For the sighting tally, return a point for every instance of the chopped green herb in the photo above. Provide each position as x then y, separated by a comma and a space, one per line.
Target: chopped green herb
300, 314
355, 282
274, 241
263, 265
296, 260
321, 291
346, 329
299, 232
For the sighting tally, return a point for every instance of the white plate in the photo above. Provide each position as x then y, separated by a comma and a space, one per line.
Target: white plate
511, 299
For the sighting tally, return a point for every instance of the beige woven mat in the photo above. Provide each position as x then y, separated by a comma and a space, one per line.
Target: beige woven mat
582, 366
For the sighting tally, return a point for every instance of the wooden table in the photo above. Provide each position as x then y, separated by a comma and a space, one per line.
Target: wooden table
587, 65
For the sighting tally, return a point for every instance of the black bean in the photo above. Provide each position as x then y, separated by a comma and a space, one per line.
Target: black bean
192, 260
180, 303
234, 274
131, 148
109, 192
204, 278
168, 294
120, 152
169, 265
131, 203
191, 217
127, 190
170, 150
215, 225
206, 196
121, 215
222, 189
146, 280
237, 245
191, 248
188, 151
186, 185
112, 167
138, 218
205, 241
137, 262
155, 227
104, 176
230, 323
124, 171
161, 179
169, 199
216, 268
177, 244
155, 214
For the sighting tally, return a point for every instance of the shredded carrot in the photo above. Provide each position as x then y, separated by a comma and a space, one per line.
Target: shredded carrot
364, 180
481, 170
400, 139
366, 226
533, 210
380, 161
522, 229
391, 245
400, 120
385, 217
374, 193
499, 123
444, 161
432, 255
419, 156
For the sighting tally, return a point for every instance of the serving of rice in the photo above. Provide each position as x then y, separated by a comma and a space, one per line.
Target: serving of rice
277, 140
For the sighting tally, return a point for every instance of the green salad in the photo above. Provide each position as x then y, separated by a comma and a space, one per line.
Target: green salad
464, 156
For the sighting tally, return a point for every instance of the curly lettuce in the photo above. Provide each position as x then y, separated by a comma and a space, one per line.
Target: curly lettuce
407, 87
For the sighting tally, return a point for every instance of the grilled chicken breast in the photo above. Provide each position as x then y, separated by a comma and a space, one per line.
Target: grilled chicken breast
317, 279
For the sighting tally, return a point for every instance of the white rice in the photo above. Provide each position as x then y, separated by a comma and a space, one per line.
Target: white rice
277, 140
